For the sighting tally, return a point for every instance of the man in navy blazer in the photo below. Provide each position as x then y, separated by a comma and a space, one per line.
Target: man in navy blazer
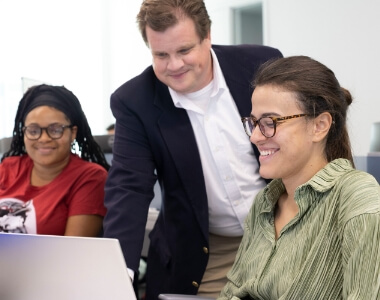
168, 120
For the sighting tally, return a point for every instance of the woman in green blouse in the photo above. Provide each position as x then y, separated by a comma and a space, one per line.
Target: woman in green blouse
314, 231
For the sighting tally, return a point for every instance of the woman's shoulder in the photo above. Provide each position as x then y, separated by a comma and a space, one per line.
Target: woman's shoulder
15, 161
78, 164
14, 168
359, 193
343, 177
79, 171
357, 181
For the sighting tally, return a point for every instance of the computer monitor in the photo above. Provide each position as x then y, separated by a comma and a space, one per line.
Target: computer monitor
105, 142
5, 144
373, 157
375, 138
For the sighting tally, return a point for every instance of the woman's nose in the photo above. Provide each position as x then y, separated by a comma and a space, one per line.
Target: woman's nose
44, 135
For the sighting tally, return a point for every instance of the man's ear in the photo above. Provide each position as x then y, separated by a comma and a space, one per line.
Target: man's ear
322, 125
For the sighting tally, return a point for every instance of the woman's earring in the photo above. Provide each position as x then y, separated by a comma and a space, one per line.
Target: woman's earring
73, 146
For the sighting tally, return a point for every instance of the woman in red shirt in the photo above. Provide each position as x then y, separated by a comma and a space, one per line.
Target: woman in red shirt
45, 188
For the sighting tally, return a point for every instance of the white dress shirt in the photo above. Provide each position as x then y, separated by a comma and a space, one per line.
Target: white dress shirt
229, 165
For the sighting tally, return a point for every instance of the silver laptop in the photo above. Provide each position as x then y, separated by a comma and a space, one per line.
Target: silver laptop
43, 267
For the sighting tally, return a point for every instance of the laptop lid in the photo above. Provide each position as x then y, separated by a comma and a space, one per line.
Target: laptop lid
43, 267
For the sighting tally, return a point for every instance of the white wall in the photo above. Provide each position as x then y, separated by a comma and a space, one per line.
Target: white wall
90, 46
93, 46
343, 34
41, 40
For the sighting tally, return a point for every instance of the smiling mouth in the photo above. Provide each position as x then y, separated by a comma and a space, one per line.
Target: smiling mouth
179, 74
267, 152
45, 150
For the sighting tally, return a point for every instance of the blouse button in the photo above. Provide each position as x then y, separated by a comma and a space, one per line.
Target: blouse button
205, 250
194, 283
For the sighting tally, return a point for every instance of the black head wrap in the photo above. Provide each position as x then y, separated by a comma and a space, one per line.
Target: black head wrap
54, 96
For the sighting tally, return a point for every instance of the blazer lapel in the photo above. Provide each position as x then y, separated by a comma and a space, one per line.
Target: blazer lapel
238, 77
178, 134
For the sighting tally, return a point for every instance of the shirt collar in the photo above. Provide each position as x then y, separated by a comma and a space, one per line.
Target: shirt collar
219, 81
327, 177
321, 182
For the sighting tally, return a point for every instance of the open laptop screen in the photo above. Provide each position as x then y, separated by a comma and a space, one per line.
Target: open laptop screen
42, 267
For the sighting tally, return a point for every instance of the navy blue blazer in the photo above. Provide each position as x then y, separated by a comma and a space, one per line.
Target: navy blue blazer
155, 140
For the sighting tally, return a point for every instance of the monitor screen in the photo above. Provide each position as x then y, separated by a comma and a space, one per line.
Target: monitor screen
375, 138
105, 142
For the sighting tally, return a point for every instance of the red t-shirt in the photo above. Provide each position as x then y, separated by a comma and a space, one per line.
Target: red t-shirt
78, 190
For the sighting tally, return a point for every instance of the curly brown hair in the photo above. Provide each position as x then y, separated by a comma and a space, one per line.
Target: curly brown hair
162, 14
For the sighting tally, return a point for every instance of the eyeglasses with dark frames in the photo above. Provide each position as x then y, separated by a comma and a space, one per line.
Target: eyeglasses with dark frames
54, 131
267, 125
